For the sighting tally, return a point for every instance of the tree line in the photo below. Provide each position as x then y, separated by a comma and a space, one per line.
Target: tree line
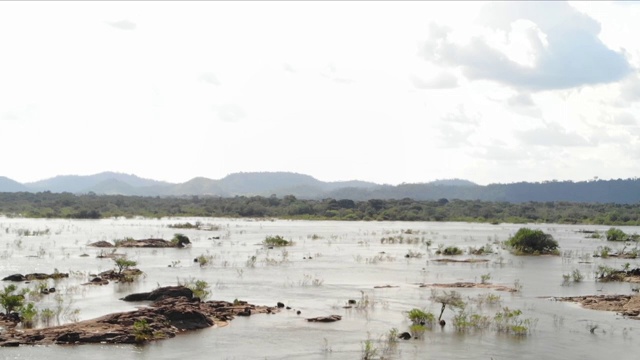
91, 206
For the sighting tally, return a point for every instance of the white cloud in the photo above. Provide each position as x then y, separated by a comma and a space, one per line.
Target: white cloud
562, 48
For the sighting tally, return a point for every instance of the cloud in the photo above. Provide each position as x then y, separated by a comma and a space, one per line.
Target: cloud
457, 127
209, 78
231, 113
630, 88
123, 24
552, 135
563, 42
624, 118
443, 80
523, 104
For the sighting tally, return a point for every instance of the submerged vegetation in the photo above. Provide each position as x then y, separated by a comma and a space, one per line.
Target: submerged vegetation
67, 205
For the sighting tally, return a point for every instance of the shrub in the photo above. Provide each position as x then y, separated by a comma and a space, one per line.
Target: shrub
527, 241
420, 317
449, 250
9, 300
614, 234
276, 241
142, 331
180, 240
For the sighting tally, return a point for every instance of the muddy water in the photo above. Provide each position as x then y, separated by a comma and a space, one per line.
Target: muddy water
330, 263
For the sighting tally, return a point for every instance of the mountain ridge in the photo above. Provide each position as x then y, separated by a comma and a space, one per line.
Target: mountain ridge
306, 186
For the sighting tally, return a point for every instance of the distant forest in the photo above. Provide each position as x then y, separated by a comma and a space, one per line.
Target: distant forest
67, 205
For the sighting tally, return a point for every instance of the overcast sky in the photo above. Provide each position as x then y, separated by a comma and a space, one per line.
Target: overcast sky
388, 92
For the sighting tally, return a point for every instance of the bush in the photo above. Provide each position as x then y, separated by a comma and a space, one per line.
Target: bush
420, 317
527, 241
276, 241
614, 234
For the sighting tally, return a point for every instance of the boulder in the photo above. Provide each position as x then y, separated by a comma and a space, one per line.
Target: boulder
15, 277
330, 318
161, 293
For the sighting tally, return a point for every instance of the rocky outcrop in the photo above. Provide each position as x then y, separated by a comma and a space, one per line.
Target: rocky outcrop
163, 319
35, 276
325, 319
102, 244
626, 305
145, 243
161, 293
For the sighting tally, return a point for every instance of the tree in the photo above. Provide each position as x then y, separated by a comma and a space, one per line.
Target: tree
122, 263
9, 300
527, 241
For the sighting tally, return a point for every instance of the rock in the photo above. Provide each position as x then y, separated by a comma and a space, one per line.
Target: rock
102, 244
166, 317
405, 336
330, 318
352, 302
15, 277
280, 305
298, 312
443, 323
161, 293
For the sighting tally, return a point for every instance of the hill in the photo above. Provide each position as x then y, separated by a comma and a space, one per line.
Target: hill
620, 191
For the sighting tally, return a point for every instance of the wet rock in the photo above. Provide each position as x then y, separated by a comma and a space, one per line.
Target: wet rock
161, 293
166, 317
405, 336
102, 244
298, 312
280, 305
442, 322
352, 302
15, 277
325, 319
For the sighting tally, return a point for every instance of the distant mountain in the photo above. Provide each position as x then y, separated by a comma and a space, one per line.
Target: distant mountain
83, 184
8, 185
454, 182
307, 187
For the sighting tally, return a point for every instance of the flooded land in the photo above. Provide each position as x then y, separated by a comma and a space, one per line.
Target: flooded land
324, 289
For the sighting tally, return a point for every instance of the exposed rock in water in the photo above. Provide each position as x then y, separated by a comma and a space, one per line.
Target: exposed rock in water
330, 318
35, 276
161, 293
626, 305
472, 285
102, 244
163, 319
145, 243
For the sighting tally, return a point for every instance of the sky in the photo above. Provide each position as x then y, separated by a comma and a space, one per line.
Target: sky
389, 92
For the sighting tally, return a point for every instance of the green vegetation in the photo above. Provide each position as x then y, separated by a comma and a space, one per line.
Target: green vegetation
575, 276
200, 288
276, 241
180, 240
67, 205
532, 242
123, 264
614, 234
9, 300
449, 250
420, 317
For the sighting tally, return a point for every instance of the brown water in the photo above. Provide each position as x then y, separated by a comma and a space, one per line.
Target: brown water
347, 262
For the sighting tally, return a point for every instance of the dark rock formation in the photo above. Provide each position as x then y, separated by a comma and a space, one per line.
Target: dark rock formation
161, 293
330, 318
102, 244
35, 276
165, 319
